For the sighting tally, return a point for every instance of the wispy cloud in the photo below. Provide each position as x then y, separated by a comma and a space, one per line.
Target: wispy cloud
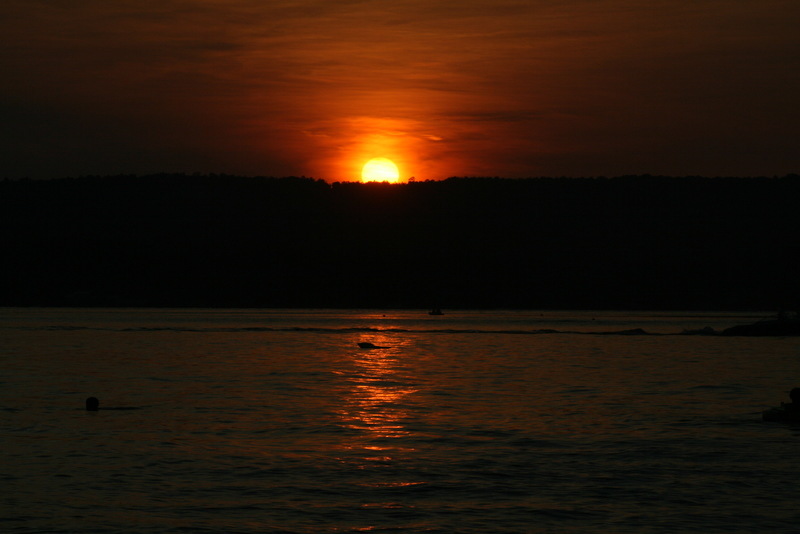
308, 87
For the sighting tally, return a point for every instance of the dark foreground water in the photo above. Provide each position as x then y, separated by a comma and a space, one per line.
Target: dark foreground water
475, 422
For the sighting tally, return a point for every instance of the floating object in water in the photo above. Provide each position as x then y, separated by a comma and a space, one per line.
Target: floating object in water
367, 345
436, 311
93, 405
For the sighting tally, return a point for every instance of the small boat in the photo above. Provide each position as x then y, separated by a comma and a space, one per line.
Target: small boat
436, 311
367, 345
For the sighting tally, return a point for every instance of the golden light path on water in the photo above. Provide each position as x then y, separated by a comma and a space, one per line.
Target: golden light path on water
378, 406
375, 404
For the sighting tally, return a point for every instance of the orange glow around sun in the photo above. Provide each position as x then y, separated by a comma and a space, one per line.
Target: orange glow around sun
380, 170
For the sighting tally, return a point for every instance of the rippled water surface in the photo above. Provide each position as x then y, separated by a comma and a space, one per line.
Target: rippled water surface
248, 421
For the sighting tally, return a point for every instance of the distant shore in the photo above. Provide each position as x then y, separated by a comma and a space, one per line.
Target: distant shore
637, 242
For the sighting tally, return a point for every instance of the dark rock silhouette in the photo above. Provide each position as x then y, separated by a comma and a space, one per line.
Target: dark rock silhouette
705, 331
772, 327
787, 412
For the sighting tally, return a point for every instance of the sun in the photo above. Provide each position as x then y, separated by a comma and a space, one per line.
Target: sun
380, 170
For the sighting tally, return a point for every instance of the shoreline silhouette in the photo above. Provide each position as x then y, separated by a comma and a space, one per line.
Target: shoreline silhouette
634, 242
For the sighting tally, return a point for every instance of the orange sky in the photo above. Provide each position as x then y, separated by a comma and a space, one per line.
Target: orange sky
443, 88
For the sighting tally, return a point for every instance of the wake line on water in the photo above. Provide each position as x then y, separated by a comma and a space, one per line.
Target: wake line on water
352, 330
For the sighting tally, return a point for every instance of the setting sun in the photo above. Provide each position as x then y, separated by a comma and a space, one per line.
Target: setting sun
380, 170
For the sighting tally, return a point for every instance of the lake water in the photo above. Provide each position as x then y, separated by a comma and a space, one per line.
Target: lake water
249, 421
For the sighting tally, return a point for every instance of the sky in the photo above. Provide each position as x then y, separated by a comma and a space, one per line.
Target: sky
441, 87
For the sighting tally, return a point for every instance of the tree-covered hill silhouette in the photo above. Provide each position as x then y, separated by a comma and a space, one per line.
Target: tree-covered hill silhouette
219, 240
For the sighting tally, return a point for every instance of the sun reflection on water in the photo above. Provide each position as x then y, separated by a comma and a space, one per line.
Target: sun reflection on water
378, 403
379, 406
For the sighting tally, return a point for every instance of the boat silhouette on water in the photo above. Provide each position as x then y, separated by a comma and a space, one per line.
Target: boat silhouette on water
368, 345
